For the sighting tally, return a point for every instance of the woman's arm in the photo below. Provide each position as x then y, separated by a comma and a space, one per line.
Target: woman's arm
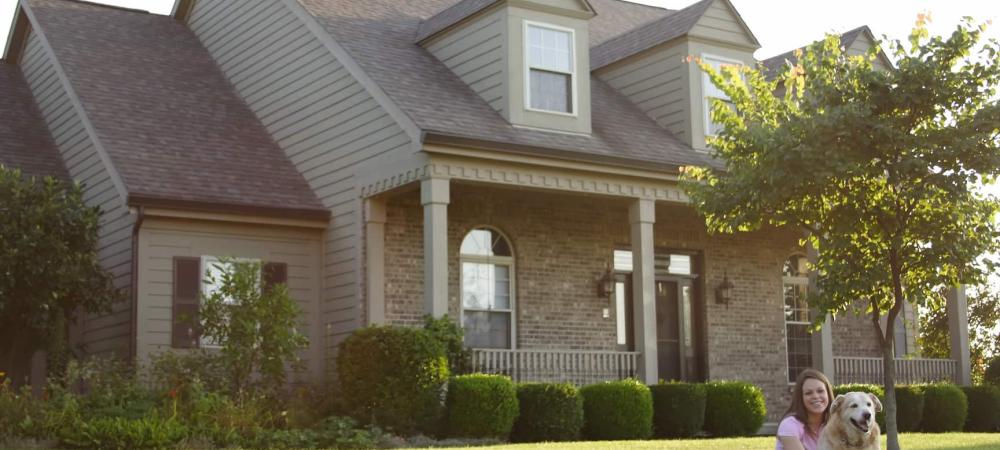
790, 443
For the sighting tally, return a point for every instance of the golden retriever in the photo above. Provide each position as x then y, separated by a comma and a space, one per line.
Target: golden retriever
852, 423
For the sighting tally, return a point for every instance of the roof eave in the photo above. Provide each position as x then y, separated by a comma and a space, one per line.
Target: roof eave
317, 214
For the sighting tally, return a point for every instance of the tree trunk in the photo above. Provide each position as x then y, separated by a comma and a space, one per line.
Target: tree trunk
889, 380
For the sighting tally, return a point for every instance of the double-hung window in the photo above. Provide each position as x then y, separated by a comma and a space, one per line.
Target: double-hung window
487, 289
551, 78
713, 93
214, 270
795, 285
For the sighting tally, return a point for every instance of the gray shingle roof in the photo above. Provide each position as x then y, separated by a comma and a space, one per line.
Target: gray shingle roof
615, 17
450, 16
774, 64
379, 34
645, 37
173, 126
25, 142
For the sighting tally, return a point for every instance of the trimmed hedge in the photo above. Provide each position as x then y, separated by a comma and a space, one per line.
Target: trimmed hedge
992, 374
617, 410
393, 376
945, 408
678, 409
481, 406
733, 408
871, 389
909, 407
549, 412
984, 408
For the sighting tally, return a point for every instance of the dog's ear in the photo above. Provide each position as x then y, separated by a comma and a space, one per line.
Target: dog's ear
837, 403
875, 400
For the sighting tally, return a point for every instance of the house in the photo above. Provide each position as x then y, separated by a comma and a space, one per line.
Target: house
510, 163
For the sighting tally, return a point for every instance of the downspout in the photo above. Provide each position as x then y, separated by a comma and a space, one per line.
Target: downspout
132, 346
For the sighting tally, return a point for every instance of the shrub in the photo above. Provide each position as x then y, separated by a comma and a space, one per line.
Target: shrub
481, 406
282, 439
945, 408
617, 410
869, 388
452, 338
733, 408
984, 408
125, 434
909, 407
678, 409
169, 370
549, 412
345, 433
392, 376
20, 413
992, 373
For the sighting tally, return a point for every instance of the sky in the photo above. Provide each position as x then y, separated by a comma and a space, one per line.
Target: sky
769, 20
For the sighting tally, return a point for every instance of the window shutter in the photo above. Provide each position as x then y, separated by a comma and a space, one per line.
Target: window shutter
186, 329
274, 273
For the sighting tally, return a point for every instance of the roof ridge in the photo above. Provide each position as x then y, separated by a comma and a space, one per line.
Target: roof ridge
644, 5
108, 6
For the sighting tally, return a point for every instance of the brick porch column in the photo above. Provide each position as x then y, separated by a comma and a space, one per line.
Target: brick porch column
822, 340
375, 259
642, 215
958, 330
435, 196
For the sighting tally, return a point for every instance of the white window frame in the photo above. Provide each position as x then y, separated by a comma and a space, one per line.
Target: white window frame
572, 66
706, 84
797, 281
206, 341
507, 261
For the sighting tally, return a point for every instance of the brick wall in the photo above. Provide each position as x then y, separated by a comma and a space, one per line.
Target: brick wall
853, 335
562, 244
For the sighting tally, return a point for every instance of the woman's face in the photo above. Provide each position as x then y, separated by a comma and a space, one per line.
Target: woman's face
814, 396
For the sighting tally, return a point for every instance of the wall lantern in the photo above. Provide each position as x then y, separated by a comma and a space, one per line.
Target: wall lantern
724, 293
605, 286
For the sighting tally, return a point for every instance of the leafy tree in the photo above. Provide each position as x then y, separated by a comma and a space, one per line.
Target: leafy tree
255, 325
984, 315
49, 270
876, 167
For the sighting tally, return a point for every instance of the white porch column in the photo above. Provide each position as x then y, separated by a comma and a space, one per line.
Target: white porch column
375, 259
642, 215
435, 196
958, 330
822, 340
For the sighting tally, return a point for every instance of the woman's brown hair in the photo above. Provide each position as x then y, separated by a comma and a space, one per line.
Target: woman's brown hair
798, 406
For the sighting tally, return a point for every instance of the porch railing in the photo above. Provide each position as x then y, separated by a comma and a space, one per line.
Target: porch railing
917, 370
579, 367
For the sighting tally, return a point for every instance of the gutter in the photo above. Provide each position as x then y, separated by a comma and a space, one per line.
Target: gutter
133, 348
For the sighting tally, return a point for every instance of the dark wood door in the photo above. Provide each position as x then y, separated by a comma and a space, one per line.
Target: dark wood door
674, 331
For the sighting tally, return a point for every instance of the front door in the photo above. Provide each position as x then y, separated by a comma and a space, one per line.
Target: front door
674, 330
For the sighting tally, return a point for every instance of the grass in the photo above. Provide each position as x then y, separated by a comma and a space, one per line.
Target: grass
909, 441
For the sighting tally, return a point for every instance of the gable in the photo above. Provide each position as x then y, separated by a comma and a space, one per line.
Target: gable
582, 8
860, 46
720, 22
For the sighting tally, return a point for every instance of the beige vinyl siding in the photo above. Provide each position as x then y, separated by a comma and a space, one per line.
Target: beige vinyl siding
720, 23
475, 52
323, 119
160, 240
108, 333
861, 45
657, 83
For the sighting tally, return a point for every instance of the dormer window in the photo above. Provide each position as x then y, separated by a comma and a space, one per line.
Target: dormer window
714, 93
551, 78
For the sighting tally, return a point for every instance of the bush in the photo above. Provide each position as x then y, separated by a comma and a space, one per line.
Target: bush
984, 408
481, 406
452, 339
733, 408
125, 434
678, 409
617, 410
169, 370
345, 433
871, 389
393, 376
909, 407
549, 412
945, 408
992, 374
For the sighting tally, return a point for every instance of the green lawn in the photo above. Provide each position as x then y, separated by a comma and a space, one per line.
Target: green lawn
909, 441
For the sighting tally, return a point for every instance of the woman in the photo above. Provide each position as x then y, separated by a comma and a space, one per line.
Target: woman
808, 413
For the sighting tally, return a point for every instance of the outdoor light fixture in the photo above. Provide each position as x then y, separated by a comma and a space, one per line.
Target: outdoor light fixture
606, 284
724, 293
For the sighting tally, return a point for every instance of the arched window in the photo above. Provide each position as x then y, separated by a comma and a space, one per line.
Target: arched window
487, 289
795, 286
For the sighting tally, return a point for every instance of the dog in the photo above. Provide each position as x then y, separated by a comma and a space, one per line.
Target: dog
852, 423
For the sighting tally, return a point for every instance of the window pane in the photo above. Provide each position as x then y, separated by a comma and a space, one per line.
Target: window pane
623, 260
549, 49
620, 312
477, 285
485, 242
680, 264
551, 91
487, 329
501, 289
799, 349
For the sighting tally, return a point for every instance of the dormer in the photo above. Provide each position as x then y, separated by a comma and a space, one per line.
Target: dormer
650, 65
529, 59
